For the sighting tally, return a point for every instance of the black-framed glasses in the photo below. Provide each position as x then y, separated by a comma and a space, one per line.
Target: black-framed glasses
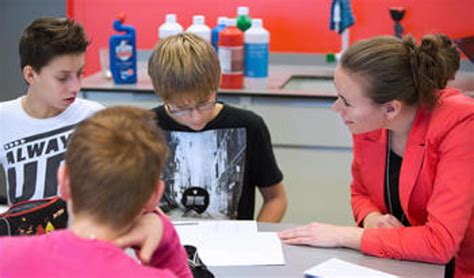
186, 112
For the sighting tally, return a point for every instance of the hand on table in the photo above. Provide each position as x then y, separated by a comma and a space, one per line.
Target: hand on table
378, 220
323, 235
145, 235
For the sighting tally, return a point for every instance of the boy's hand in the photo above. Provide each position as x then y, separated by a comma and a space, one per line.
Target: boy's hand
145, 235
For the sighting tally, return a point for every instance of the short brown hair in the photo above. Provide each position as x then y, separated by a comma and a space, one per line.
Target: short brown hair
402, 70
115, 159
184, 65
48, 37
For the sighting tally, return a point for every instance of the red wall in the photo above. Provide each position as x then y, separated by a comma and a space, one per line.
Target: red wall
295, 25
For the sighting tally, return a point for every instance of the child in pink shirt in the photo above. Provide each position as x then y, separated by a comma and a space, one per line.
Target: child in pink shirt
111, 182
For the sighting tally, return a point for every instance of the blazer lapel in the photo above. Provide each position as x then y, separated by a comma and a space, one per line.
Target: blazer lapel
413, 157
374, 147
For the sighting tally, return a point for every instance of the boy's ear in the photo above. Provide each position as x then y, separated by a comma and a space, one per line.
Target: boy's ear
155, 197
64, 182
28, 73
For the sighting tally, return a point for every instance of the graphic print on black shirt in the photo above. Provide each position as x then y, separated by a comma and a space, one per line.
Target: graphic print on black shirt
35, 160
204, 173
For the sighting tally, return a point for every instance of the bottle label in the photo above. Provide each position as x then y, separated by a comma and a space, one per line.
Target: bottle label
231, 59
256, 59
124, 51
123, 63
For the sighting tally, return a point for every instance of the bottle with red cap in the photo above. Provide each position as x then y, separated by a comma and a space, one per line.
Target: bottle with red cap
231, 56
123, 52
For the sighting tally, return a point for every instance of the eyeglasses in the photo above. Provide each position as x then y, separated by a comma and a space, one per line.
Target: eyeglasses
186, 112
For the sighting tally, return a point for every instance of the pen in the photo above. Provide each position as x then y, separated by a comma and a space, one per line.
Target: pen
182, 223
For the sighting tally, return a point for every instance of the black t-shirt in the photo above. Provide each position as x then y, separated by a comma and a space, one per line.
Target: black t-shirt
213, 173
392, 195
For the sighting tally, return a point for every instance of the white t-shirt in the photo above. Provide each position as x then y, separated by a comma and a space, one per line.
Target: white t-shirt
31, 149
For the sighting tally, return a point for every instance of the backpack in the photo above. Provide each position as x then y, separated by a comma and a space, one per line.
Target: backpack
34, 217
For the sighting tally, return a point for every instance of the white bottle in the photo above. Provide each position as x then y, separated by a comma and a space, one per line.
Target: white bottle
170, 27
256, 42
200, 28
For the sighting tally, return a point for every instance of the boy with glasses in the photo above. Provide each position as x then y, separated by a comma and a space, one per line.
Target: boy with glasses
219, 153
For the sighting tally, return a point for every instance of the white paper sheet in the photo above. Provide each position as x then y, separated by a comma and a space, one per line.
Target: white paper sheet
3, 208
338, 268
231, 243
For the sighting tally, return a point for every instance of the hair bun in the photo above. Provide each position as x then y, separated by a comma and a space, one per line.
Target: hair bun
412, 52
429, 46
410, 44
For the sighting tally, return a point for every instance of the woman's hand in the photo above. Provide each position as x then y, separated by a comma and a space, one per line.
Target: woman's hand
378, 220
145, 235
323, 235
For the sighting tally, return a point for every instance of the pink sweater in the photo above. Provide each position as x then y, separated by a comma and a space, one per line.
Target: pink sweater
63, 254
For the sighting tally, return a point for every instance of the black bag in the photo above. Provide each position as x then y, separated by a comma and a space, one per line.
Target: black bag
34, 217
198, 268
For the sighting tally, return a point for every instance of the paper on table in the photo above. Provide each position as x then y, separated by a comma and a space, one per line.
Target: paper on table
259, 249
3, 208
338, 268
229, 227
226, 243
197, 232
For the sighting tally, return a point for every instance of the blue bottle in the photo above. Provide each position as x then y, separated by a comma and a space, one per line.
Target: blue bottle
221, 20
123, 53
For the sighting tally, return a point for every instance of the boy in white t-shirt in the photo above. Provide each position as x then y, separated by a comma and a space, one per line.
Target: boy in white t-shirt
34, 128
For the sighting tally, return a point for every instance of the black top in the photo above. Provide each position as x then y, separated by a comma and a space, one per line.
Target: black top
392, 196
222, 164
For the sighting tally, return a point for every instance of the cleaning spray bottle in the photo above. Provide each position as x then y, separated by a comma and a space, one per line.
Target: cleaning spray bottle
123, 53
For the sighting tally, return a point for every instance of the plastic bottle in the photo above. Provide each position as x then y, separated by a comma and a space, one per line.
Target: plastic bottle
256, 41
243, 20
231, 56
200, 28
123, 53
221, 21
170, 27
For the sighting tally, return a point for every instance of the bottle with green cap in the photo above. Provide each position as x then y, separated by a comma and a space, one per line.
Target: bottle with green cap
243, 20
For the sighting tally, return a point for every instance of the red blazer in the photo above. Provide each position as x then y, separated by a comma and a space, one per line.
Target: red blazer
436, 186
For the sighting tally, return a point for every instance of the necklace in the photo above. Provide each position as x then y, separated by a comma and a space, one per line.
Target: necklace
387, 178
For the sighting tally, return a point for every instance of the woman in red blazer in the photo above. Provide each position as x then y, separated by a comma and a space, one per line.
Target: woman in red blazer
412, 192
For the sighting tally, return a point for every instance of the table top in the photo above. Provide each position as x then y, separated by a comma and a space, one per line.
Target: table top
300, 258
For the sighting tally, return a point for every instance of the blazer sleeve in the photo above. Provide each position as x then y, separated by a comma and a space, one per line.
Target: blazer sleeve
449, 207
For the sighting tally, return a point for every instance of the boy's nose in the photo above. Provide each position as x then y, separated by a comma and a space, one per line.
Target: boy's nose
75, 85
